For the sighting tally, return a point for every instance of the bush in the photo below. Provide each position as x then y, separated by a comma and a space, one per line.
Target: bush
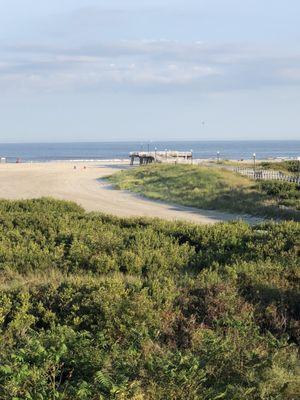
292, 165
95, 307
281, 189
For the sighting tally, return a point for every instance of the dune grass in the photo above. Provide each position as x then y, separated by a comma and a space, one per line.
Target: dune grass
207, 188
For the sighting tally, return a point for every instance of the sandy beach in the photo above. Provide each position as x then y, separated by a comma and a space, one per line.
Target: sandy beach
84, 186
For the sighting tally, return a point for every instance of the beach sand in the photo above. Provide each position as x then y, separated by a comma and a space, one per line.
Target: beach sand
84, 186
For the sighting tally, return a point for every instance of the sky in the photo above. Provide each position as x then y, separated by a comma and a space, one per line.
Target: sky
83, 70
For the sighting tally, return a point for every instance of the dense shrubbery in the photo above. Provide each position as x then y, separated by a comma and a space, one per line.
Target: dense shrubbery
292, 166
211, 188
281, 189
95, 307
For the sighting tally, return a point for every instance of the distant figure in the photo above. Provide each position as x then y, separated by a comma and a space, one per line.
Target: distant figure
84, 167
18, 161
75, 167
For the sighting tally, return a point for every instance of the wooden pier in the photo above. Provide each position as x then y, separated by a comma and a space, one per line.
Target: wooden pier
148, 157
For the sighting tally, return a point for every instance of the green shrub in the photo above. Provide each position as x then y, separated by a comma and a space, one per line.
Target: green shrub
292, 165
289, 166
95, 307
281, 189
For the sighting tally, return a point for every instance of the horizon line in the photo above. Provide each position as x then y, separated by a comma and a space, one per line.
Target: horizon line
146, 141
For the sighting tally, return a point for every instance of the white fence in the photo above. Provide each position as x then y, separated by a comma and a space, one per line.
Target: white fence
267, 175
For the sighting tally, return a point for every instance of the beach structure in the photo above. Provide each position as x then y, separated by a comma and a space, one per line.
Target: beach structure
148, 157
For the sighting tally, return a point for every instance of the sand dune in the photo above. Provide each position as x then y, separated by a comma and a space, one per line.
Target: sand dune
84, 186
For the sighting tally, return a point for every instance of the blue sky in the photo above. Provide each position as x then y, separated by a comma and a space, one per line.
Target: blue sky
149, 70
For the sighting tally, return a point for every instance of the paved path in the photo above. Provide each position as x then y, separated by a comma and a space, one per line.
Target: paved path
84, 186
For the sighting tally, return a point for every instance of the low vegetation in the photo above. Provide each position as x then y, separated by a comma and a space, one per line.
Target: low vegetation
95, 307
289, 167
212, 188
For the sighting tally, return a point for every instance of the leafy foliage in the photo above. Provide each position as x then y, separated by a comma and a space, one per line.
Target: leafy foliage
281, 189
291, 166
96, 307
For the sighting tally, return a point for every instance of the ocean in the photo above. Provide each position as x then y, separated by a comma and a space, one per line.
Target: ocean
42, 152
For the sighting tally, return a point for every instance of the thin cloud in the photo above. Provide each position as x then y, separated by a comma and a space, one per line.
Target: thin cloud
145, 65
291, 74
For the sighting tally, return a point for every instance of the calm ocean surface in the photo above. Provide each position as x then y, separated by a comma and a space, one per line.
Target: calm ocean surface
119, 150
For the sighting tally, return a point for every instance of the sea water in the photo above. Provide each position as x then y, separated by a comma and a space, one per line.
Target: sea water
42, 152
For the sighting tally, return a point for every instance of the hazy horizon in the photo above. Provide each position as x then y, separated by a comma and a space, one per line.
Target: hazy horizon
84, 70
145, 142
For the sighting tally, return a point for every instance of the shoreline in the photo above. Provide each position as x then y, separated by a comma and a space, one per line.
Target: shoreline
195, 161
